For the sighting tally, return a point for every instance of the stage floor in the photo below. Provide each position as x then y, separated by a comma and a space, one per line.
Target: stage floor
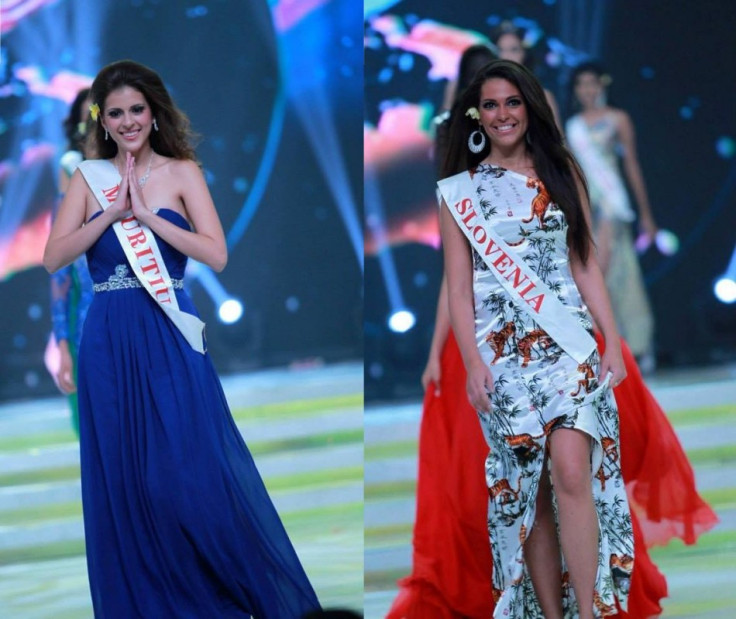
316, 415
305, 430
702, 407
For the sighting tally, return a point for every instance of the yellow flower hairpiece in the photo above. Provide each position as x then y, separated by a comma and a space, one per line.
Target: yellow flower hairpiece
94, 112
473, 113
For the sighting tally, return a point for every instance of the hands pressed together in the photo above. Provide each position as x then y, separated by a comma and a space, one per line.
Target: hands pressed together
130, 199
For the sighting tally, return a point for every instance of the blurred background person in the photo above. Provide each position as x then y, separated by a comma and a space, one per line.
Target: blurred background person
601, 136
509, 43
71, 286
451, 557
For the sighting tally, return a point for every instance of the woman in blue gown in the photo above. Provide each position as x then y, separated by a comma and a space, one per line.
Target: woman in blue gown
177, 520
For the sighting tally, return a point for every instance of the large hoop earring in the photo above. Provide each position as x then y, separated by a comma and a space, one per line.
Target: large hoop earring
107, 135
474, 144
155, 125
527, 138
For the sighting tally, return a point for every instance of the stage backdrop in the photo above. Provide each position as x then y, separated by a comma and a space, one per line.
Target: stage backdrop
275, 91
671, 64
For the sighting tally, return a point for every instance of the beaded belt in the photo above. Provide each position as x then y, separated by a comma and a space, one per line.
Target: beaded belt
121, 281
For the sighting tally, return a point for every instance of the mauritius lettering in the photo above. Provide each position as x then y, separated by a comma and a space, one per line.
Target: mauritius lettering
503, 263
139, 242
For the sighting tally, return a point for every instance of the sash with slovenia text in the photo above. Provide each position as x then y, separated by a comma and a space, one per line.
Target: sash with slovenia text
516, 277
142, 251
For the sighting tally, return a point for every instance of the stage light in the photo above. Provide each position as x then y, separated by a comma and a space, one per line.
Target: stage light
401, 321
725, 290
725, 286
230, 311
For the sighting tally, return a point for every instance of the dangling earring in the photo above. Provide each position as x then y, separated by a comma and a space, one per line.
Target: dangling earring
107, 135
155, 125
474, 144
527, 138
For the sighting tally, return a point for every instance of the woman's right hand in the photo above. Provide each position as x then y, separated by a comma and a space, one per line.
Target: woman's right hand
432, 374
479, 384
121, 207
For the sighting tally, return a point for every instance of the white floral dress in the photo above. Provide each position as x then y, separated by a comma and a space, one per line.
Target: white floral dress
539, 388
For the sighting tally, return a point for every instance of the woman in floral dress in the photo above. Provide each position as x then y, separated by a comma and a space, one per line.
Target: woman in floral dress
522, 274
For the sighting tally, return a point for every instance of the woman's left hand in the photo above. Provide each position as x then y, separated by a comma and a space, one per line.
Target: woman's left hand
613, 362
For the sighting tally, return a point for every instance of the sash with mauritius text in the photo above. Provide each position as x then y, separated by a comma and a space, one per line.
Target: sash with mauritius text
516, 277
142, 251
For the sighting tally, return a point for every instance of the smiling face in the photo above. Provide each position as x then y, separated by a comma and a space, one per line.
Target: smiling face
128, 118
503, 114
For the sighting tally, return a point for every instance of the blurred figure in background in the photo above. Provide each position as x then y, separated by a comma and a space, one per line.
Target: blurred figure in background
71, 286
509, 42
451, 559
599, 136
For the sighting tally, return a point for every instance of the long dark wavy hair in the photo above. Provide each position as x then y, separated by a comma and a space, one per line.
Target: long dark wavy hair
74, 134
555, 165
174, 137
472, 60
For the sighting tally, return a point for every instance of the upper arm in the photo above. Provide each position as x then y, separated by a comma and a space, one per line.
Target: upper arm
73, 208
198, 202
626, 134
458, 259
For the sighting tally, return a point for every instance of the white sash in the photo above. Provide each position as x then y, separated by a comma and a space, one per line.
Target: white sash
523, 284
607, 191
142, 251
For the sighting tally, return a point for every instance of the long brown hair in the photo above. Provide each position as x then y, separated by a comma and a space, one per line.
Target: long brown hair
555, 165
173, 138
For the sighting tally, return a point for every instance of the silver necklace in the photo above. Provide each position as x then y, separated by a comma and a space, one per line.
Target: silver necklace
143, 179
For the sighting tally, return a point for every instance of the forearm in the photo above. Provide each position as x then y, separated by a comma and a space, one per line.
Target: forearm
441, 323
638, 187
462, 320
64, 249
200, 247
61, 282
592, 287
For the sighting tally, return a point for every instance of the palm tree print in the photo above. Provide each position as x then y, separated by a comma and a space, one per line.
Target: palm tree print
532, 397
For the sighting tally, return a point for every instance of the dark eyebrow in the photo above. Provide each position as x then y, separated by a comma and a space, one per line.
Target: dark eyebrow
119, 109
507, 98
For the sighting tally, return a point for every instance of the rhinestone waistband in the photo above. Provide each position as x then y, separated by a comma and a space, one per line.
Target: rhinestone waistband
121, 281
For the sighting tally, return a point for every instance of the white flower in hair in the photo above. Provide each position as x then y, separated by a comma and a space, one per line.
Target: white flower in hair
473, 113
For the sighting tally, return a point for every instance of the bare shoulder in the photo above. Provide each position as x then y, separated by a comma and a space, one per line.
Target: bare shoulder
182, 169
621, 117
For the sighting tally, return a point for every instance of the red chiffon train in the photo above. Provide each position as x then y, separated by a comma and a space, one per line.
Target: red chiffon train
451, 572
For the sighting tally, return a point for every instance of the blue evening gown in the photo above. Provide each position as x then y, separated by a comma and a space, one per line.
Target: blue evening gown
178, 523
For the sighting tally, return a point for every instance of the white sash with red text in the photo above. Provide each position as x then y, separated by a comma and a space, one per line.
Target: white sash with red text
142, 251
520, 281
